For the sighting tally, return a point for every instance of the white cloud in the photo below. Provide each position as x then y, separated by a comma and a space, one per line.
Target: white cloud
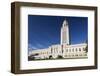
31, 47
39, 45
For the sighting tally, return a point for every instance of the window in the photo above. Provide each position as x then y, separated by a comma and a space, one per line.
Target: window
57, 50
79, 49
73, 49
51, 50
76, 55
62, 51
83, 49
76, 49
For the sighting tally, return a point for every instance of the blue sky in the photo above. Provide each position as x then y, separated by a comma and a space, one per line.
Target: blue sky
44, 31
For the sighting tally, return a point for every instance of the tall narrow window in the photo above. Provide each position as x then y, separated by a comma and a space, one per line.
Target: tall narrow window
83, 49
73, 49
79, 49
51, 50
76, 49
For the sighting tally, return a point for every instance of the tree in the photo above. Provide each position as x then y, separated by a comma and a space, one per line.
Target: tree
59, 57
31, 57
50, 57
86, 49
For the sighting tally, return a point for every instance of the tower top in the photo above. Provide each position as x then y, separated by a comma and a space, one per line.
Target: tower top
65, 22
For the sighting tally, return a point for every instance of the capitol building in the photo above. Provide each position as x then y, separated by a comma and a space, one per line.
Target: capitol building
62, 50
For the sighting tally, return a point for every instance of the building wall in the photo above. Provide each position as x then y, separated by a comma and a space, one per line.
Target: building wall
75, 51
65, 51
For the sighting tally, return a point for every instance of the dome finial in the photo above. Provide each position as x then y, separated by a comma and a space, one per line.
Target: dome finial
65, 22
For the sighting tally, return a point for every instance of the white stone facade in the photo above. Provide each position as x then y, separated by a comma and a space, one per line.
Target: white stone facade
63, 50
66, 51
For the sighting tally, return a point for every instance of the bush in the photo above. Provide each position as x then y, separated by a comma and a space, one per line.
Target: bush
59, 57
31, 58
50, 57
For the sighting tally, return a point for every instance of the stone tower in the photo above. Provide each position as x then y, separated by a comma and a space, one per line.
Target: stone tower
65, 33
